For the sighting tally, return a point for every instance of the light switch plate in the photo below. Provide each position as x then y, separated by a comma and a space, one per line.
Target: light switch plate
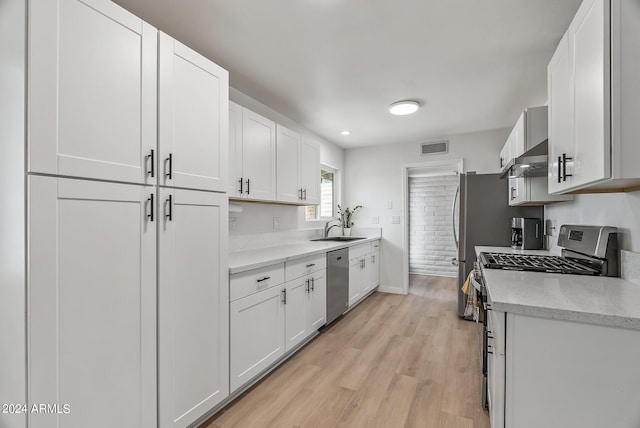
375, 220
395, 219
233, 223
390, 205
276, 223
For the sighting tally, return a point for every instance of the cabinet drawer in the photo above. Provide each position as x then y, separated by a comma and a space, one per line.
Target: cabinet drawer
359, 250
301, 267
246, 283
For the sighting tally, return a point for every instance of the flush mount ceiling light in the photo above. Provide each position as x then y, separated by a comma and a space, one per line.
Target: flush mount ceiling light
346, 132
405, 107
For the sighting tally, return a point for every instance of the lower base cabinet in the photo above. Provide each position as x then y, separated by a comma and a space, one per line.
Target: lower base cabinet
556, 373
193, 308
257, 334
364, 270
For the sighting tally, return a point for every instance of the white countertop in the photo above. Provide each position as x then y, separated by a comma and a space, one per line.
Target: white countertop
591, 299
242, 261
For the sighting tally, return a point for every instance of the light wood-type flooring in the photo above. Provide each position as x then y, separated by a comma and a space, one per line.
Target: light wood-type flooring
393, 361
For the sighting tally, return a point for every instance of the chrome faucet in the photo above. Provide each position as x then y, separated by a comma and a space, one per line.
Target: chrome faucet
327, 228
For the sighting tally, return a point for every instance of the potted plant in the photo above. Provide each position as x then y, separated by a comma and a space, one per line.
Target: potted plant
345, 216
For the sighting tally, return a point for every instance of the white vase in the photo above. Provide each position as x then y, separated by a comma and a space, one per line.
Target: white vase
346, 231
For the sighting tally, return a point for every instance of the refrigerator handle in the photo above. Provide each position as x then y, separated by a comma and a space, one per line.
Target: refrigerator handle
453, 216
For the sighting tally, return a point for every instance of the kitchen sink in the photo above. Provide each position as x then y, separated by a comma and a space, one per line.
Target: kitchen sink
340, 238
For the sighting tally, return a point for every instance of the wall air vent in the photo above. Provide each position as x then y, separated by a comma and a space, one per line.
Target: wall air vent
435, 148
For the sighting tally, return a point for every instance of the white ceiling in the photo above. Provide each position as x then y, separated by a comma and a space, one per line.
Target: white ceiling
332, 65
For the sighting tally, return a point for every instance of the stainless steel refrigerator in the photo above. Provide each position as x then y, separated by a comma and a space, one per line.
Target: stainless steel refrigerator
482, 216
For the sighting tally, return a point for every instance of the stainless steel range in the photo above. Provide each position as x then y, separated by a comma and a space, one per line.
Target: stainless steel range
586, 250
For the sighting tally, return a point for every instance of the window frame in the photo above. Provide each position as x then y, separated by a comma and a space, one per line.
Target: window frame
334, 201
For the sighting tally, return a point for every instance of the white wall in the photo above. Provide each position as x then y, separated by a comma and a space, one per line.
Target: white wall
604, 209
431, 240
373, 177
258, 218
12, 215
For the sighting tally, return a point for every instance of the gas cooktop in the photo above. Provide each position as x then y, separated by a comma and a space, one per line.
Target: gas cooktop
535, 263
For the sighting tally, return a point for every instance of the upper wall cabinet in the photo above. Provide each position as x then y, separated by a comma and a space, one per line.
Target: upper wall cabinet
252, 145
193, 119
593, 100
298, 168
92, 91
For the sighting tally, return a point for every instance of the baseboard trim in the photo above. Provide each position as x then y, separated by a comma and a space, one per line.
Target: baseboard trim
391, 290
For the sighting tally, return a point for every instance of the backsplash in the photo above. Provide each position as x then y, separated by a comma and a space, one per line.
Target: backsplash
630, 264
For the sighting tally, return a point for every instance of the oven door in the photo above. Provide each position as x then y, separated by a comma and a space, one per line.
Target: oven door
485, 338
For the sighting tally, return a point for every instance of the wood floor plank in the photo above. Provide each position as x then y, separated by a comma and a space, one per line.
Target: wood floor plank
392, 361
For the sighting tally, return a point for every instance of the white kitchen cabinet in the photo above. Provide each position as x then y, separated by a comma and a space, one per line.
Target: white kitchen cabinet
577, 374
193, 305
317, 305
496, 367
309, 172
560, 132
532, 191
356, 278
364, 271
193, 118
92, 302
92, 91
257, 334
600, 128
296, 311
375, 266
288, 165
298, 168
253, 147
505, 154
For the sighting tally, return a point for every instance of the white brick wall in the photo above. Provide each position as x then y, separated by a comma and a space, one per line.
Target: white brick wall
431, 244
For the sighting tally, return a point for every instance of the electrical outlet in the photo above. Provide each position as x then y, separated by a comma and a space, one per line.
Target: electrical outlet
395, 219
375, 220
276, 223
390, 205
233, 223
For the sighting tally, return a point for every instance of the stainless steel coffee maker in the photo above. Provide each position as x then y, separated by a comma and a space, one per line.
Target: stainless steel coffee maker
526, 233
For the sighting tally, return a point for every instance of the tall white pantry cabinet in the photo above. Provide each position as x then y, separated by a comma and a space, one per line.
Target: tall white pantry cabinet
115, 283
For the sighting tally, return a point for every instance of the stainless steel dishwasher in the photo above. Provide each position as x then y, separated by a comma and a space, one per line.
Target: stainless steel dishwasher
337, 283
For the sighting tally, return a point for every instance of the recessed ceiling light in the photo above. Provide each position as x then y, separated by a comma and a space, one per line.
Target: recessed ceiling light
346, 132
402, 108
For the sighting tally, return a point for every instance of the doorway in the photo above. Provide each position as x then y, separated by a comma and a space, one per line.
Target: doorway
428, 238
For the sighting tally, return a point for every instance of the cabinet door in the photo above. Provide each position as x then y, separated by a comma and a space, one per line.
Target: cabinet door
517, 190
256, 334
518, 142
309, 172
367, 283
296, 311
288, 146
355, 280
234, 187
375, 269
193, 297
193, 118
560, 122
92, 302
92, 91
317, 312
589, 48
258, 156
505, 155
